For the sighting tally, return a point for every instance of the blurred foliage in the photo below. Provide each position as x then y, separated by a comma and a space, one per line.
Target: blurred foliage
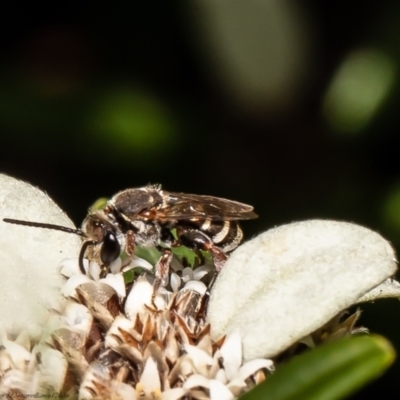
130, 123
289, 106
358, 89
329, 372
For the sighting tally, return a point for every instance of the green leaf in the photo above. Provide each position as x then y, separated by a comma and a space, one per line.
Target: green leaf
150, 254
99, 204
184, 252
330, 371
129, 276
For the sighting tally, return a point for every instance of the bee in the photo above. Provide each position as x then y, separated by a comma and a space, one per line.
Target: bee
148, 216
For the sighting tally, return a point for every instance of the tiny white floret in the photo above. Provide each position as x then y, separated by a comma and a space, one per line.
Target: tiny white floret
116, 281
140, 298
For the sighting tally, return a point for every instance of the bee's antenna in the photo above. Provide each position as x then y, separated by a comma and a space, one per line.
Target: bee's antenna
45, 225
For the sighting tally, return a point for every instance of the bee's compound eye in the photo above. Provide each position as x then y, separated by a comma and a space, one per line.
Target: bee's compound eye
110, 249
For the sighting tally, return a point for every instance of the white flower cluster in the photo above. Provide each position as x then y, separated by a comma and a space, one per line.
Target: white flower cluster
110, 343
187, 360
103, 338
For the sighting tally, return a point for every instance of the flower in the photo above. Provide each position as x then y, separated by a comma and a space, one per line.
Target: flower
29, 255
164, 352
108, 338
290, 281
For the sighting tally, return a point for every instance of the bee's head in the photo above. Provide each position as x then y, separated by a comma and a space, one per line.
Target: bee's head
103, 244
101, 241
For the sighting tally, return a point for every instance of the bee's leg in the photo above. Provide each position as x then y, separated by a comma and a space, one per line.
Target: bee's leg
130, 242
218, 255
197, 239
161, 269
129, 249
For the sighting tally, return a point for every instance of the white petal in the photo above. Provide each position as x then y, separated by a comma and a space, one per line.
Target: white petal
16, 380
186, 367
196, 380
70, 266
231, 352
201, 360
199, 272
218, 391
389, 288
196, 286
138, 262
123, 390
115, 266
173, 394
29, 256
78, 317
94, 270
53, 368
72, 283
140, 297
290, 280
150, 380
251, 367
19, 354
221, 376
5, 361
236, 386
175, 281
116, 281
187, 274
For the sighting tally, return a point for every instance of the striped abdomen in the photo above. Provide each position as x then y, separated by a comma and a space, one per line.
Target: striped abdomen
226, 235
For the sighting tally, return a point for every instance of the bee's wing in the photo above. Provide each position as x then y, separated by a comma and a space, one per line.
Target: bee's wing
188, 206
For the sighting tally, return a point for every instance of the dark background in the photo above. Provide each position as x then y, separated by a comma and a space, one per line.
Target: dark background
244, 100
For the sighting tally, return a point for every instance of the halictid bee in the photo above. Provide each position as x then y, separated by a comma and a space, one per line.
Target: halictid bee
147, 216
